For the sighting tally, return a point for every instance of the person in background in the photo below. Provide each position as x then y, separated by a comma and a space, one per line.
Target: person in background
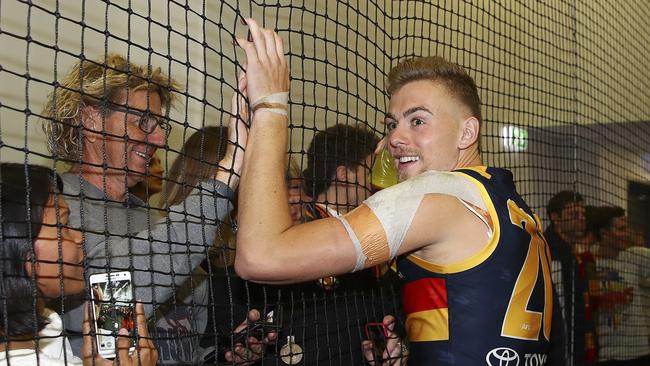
153, 183
197, 162
337, 176
339, 161
297, 197
567, 231
622, 270
43, 256
106, 119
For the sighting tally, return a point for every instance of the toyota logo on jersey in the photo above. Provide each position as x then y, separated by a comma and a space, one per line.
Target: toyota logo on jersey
502, 356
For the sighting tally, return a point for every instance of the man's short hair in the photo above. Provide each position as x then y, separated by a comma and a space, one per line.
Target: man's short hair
437, 69
560, 200
96, 83
337, 145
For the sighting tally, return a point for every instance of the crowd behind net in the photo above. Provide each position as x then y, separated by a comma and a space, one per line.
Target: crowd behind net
566, 106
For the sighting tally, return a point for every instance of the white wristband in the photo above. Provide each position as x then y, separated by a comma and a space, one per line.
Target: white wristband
277, 103
275, 98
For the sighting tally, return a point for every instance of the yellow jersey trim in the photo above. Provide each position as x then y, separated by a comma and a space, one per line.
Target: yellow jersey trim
484, 253
482, 170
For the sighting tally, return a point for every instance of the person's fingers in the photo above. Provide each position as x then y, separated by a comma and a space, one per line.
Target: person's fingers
140, 318
241, 353
393, 343
242, 83
269, 39
88, 348
368, 352
279, 47
249, 48
389, 321
271, 337
229, 356
85, 330
255, 346
258, 39
253, 315
123, 344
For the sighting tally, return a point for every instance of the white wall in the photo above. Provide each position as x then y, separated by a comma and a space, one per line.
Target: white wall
542, 65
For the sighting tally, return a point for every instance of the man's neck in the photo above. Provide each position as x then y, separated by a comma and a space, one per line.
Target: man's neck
470, 157
112, 185
334, 200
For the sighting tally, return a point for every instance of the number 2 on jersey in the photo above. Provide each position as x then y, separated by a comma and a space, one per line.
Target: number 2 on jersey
520, 322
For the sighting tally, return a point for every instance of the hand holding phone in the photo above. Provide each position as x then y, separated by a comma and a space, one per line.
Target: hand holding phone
112, 310
378, 334
382, 345
145, 352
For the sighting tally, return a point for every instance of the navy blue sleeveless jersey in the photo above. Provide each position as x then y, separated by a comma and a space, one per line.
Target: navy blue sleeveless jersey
494, 308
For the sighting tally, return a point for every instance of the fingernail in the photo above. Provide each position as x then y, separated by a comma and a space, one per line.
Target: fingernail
123, 332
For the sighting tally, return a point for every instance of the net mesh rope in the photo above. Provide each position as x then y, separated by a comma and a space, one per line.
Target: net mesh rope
565, 107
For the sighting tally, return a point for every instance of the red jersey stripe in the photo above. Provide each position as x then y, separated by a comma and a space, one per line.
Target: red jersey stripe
425, 294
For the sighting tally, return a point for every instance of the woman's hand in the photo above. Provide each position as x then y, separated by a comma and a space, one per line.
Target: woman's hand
231, 164
396, 352
145, 353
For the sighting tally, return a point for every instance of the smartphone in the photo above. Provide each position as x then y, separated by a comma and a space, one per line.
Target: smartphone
378, 334
113, 309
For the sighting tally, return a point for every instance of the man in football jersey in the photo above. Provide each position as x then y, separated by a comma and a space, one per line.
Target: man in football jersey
477, 267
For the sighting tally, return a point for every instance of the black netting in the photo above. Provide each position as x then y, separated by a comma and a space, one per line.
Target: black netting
563, 86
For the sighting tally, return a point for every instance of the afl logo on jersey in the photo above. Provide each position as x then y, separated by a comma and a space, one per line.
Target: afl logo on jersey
502, 356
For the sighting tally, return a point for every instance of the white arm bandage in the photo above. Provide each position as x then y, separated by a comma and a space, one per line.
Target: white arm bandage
391, 212
275, 103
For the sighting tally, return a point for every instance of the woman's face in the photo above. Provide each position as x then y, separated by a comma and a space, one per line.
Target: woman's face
154, 180
295, 208
58, 252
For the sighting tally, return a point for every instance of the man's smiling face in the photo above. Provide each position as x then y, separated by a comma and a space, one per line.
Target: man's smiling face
424, 128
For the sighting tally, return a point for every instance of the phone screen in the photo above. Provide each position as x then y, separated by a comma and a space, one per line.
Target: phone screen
114, 309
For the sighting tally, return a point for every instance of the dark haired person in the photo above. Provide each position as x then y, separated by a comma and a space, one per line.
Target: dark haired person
42, 256
622, 269
566, 212
324, 327
338, 169
475, 264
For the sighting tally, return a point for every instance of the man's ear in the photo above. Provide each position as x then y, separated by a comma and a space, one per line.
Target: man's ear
90, 117
470, 132
342, 174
